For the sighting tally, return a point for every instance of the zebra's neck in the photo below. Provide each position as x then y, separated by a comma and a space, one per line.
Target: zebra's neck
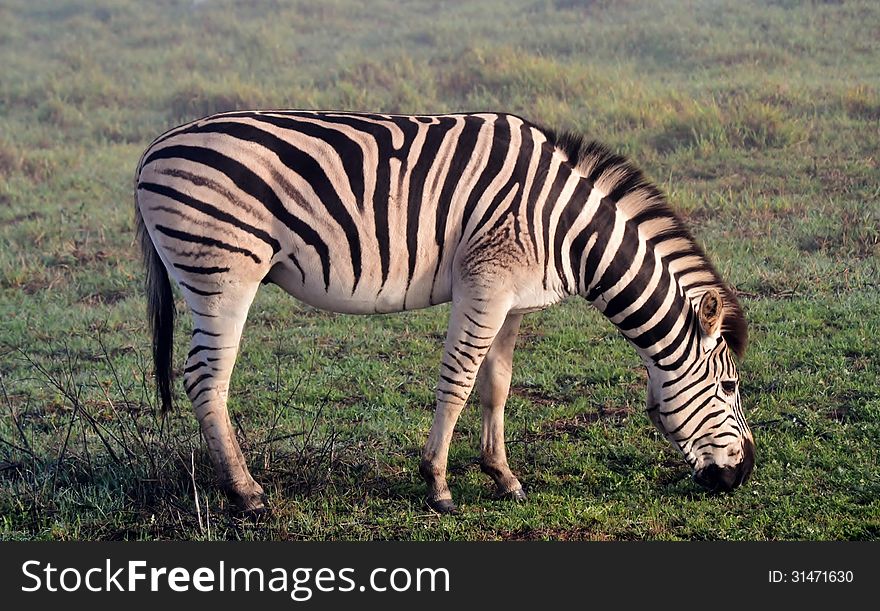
610, 262
625, 250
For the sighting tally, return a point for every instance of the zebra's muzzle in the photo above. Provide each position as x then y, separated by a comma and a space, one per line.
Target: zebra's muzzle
725, 479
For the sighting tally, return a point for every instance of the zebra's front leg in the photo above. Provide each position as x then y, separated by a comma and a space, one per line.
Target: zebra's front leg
473, 324
218, 322
493, 387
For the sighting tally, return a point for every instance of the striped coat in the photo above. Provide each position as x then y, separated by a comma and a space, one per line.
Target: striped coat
363, 213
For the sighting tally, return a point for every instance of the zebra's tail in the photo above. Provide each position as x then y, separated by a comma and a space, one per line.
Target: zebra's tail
161, 312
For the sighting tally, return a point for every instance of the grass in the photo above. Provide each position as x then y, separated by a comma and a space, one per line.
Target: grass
760, 123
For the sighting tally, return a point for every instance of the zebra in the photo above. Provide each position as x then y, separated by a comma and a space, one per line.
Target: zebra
359, 213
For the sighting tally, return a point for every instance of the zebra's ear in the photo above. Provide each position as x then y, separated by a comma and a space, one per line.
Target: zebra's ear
710, 312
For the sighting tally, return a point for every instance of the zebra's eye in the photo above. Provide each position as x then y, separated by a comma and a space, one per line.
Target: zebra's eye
728, 386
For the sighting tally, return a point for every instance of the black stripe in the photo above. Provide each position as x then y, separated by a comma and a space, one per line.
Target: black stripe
675, 233
363, 115
520, 175
495, 162
567, 217
197, 406
725, 434
249, 182
464, 152
196, 349
197, 381
466, 315
688, 403
200, 393
517, 178
639, 283
224, 194
464, 369
699, 426
198, 269
465, 354
201, 292
502, 218
181, 213
646, 311
688, 329
629, 184
427, 157
195, 366
576, 252
620, 263
701, 437
295, 262
605, 162
203, 332
449, 380
663, 327
410, 129
452, 394
449, 367
538, 182
185, 236
476, 336
203, 314
552, 199
687, 287
714, 427
654, 211
470, 345
602, 224
700, 376
697, 448
174, 131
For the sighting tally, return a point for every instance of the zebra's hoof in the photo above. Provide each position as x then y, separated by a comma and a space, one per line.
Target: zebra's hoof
442, 506
256, 515
252, 508
516, 495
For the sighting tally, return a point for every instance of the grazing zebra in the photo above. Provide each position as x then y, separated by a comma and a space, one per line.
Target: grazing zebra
362, 213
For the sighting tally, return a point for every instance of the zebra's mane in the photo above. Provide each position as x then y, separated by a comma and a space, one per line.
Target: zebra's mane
624, 184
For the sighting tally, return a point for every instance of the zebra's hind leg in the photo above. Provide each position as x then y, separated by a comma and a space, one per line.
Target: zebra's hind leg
218, 320
473, 324
493, 386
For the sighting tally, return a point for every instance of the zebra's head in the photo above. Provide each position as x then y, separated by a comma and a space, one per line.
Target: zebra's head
697, 406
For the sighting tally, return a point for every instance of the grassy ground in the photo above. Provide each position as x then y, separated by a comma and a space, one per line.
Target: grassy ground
761, 120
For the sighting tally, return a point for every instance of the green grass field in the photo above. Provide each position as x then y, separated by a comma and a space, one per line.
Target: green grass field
760, 120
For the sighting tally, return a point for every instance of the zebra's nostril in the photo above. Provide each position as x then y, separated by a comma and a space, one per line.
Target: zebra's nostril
708, 477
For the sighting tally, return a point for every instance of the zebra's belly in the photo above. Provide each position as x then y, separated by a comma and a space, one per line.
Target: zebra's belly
370, 297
